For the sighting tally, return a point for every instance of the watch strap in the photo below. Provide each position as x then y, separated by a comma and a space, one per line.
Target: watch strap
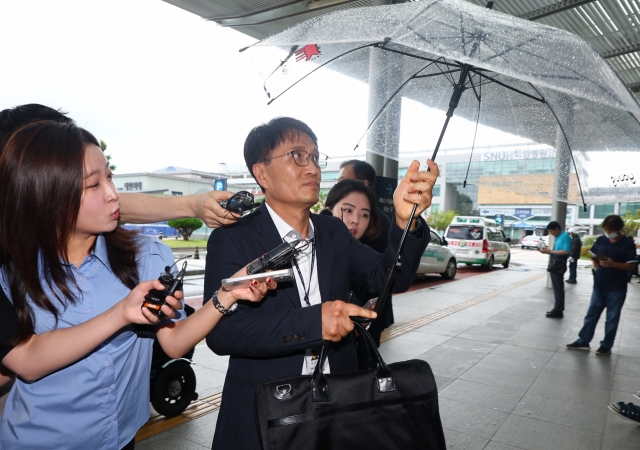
222, 309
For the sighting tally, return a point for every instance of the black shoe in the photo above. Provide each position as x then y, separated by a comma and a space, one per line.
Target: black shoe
571, 281
627, 410
577, 346
603, 351
554, 314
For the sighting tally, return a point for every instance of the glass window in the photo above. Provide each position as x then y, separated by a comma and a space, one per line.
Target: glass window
330, 175
631, 207
465, 232
435, 239
582, 214
602, 211
436, 190
402, 172
435, 207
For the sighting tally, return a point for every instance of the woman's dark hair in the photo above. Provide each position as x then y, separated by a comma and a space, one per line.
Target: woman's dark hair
263, 139
345, 187
614, 222
41, 188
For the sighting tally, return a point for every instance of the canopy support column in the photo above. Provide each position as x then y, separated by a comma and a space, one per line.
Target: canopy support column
560, 187
384, 136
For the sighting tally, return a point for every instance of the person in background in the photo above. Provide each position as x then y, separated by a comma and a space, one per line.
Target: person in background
360, 170
353, 202
574, 255
355, 169
561, 250
613, 256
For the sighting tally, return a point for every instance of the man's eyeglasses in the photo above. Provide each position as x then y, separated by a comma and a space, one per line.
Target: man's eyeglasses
301, 158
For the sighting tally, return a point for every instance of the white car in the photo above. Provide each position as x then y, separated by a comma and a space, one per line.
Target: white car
438, 258
533, 241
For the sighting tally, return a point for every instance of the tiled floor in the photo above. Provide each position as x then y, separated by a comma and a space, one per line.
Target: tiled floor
506, 379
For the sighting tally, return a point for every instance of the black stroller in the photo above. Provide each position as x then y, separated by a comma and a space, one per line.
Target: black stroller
173, 381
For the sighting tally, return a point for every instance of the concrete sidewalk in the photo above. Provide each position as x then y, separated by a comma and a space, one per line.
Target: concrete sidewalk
506, 379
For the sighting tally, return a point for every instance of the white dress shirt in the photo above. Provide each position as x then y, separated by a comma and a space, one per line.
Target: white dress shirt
310, 279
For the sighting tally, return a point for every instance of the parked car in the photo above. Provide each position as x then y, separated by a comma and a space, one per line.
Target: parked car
536, 242
438, 258
476, 240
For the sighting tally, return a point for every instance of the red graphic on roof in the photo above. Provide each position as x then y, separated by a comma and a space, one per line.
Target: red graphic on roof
308, 52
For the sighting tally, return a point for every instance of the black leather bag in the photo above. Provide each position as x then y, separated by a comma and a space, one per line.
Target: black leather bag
557, 264
384, 407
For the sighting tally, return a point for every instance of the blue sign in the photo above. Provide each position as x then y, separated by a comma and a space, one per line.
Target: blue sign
220, 184
523, 213
500, 219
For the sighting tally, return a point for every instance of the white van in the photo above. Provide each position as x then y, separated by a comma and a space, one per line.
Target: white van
476, 240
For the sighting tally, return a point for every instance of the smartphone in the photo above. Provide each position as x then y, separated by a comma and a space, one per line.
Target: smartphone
603, 258
244, 282
371, 304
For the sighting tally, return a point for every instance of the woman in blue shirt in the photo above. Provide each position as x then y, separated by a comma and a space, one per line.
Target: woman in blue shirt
65, 262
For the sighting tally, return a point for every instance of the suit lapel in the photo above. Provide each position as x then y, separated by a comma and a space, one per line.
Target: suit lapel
270, 239
324, 255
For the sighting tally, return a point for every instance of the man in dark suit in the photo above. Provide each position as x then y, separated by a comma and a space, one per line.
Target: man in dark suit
282, 335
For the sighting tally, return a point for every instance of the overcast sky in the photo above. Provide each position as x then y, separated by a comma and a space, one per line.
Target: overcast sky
162, 86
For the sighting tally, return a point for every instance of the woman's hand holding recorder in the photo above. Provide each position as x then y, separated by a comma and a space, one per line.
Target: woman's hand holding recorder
253, 292
130, 307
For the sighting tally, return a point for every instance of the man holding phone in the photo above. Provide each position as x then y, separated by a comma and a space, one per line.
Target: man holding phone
557, 266
613, 256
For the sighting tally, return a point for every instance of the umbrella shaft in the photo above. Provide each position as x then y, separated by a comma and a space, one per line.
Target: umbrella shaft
444, 129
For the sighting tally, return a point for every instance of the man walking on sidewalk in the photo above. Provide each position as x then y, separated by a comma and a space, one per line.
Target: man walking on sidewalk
557, 266
613, 256
574, 256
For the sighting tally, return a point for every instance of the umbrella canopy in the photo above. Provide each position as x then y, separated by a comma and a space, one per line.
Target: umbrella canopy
540, 83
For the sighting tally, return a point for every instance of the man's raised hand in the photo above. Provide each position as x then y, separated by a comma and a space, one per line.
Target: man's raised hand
415, 188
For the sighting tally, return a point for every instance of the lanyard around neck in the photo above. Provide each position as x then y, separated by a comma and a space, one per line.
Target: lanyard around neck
307, 290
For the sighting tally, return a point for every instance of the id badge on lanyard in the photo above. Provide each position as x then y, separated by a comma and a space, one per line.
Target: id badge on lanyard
312, 361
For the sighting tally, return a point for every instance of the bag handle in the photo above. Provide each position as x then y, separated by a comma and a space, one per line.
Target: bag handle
384, 377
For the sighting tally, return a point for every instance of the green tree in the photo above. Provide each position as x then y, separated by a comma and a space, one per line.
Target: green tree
322, 197
464, 205
185, 227
103, 147
631, 223
440, 220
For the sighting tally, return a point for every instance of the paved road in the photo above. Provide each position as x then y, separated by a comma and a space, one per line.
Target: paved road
520, 260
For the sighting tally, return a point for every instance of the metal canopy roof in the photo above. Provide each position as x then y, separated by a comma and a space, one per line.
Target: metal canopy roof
612, 27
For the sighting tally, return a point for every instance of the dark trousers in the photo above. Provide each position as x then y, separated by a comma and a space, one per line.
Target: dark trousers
131, 445
558, 290
573, 266
601, 300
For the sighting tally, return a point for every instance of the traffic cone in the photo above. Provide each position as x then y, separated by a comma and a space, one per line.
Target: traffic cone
197, 255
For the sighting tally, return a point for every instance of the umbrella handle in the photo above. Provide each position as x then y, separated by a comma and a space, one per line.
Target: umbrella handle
386, 288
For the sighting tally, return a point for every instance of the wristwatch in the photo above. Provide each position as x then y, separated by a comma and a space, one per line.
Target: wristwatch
222, 309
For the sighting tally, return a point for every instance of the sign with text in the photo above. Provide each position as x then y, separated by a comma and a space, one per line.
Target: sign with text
384, 188
523, 213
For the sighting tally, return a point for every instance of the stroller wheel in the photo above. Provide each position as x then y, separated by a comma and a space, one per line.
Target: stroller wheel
173, 388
